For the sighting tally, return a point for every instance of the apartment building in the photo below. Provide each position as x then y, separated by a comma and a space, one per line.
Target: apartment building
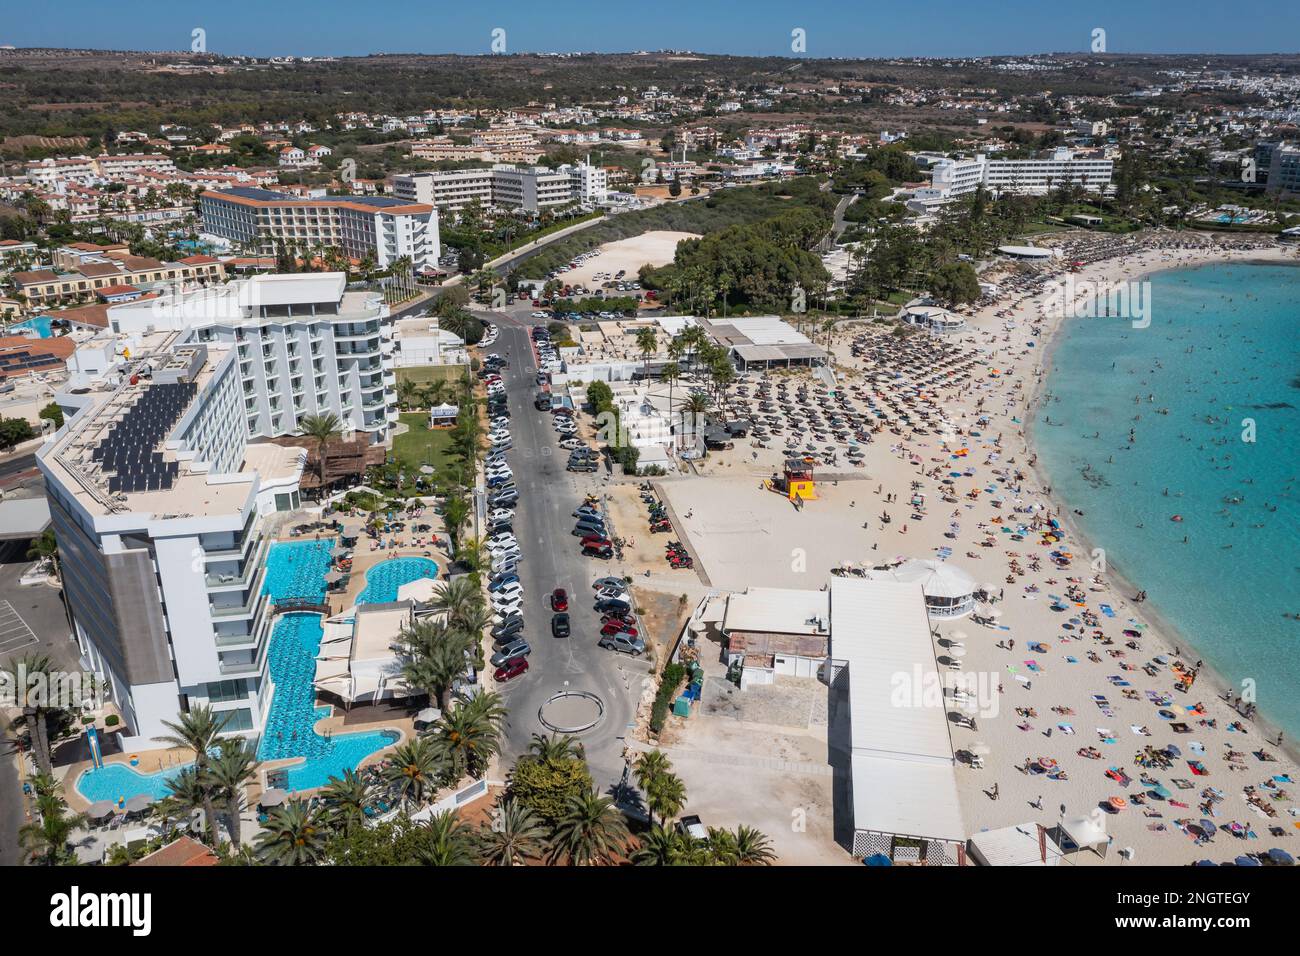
1035, 177
161, 509
43, 288
115, 167
530, 188
383, 228
304, 344
1284, 170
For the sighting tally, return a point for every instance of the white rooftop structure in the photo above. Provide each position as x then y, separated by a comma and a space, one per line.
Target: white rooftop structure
1014, 846
949, 591
904, 783
779, 610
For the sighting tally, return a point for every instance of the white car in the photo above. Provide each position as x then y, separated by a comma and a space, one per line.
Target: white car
571, 444
498, 471
507, 611
540, 315
501, 514
500, 540
611, 594
498, 438
508, 592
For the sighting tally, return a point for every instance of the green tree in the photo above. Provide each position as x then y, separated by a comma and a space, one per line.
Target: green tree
197, 731
323, 429
413, 772
591, 832
514, 836
53, 413
448, 842
546, 786
468, 735
229, 774
47, 838
347, 800
294, 835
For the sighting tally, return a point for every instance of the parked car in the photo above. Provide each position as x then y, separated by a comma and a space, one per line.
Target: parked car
618, 627
623, 643
610, 582
512, 650
511, 669
560, 625
594, 551
614, 606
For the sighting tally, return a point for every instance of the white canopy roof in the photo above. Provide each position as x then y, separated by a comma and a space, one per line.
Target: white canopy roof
444, 411
1013, 846
937, 578
903, 778
1086, 832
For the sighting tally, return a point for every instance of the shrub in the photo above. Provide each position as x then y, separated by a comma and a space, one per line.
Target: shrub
112, 720
671, 680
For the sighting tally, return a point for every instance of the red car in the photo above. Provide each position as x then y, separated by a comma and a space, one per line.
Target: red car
511, 669
617, 627
596, 541
559, 600
622, 620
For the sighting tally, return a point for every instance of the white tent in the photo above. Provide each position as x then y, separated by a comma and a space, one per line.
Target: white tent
1087, 833
1014, 846
949, 591
442, 414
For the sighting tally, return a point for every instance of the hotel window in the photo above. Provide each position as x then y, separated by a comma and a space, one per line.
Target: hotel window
226, 691
240, 719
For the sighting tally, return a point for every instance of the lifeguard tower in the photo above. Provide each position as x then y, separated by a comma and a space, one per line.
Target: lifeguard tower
797, 483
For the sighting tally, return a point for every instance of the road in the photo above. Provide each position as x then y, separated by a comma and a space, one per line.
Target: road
548, 495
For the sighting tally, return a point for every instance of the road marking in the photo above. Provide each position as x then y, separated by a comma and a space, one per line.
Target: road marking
14, 631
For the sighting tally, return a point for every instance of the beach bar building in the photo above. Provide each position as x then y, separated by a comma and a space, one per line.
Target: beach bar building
902, 768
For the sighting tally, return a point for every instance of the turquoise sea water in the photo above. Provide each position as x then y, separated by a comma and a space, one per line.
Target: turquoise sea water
1222, 352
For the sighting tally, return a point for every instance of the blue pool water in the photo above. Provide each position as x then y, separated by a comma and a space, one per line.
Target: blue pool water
294, 571
43, 325
117, 781
383, 580
1221, 349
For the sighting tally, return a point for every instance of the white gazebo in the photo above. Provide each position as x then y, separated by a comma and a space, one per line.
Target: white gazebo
949, 591
443, 415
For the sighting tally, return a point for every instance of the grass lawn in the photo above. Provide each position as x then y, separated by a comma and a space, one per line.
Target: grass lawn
420, 445
422, 374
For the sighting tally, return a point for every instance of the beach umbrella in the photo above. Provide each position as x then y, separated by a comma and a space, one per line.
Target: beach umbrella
100, 810
428, 715
1246, 861
1279, 856
333, 577
426, 469
956, 652
877, 859
958, 636
340, 552
139, 803
273, 797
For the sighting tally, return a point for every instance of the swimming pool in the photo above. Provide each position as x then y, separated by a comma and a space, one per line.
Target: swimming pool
43, 325
118, 781
383, 580
295, 570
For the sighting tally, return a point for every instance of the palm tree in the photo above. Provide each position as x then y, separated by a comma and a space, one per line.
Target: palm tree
591, 832
413, 771
407, 392
197, 731
185, 794
448, 842
324, 429
45, 549
455, 512
292, 836
47, 838
515, 835
752, 847
665, 795
647, 343
468, 735
648, 765
555, 747
661, 846
347, 799
235, 767
456, 598
37, 708
433, 657
671, 373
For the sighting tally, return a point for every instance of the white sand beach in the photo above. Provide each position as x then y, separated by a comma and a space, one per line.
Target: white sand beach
1085, 707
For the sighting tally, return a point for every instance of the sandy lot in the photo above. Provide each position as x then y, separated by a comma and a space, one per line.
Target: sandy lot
654, 248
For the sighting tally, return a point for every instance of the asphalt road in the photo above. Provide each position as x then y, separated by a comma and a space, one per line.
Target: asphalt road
548, 495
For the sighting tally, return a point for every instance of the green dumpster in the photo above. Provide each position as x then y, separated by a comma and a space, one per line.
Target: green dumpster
682, 707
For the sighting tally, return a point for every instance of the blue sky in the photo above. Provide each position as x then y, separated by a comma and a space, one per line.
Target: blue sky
747, 27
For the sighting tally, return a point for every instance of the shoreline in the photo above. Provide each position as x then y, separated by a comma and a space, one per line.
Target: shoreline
1159, 627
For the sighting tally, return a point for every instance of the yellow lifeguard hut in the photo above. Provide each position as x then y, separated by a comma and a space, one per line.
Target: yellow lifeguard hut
797, 482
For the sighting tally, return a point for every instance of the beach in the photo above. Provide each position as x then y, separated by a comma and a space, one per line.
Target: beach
1078, 686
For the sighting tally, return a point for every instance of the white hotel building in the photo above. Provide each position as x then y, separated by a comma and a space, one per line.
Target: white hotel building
159, 504
384, 228
1034, 177
530, 188
304, 345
